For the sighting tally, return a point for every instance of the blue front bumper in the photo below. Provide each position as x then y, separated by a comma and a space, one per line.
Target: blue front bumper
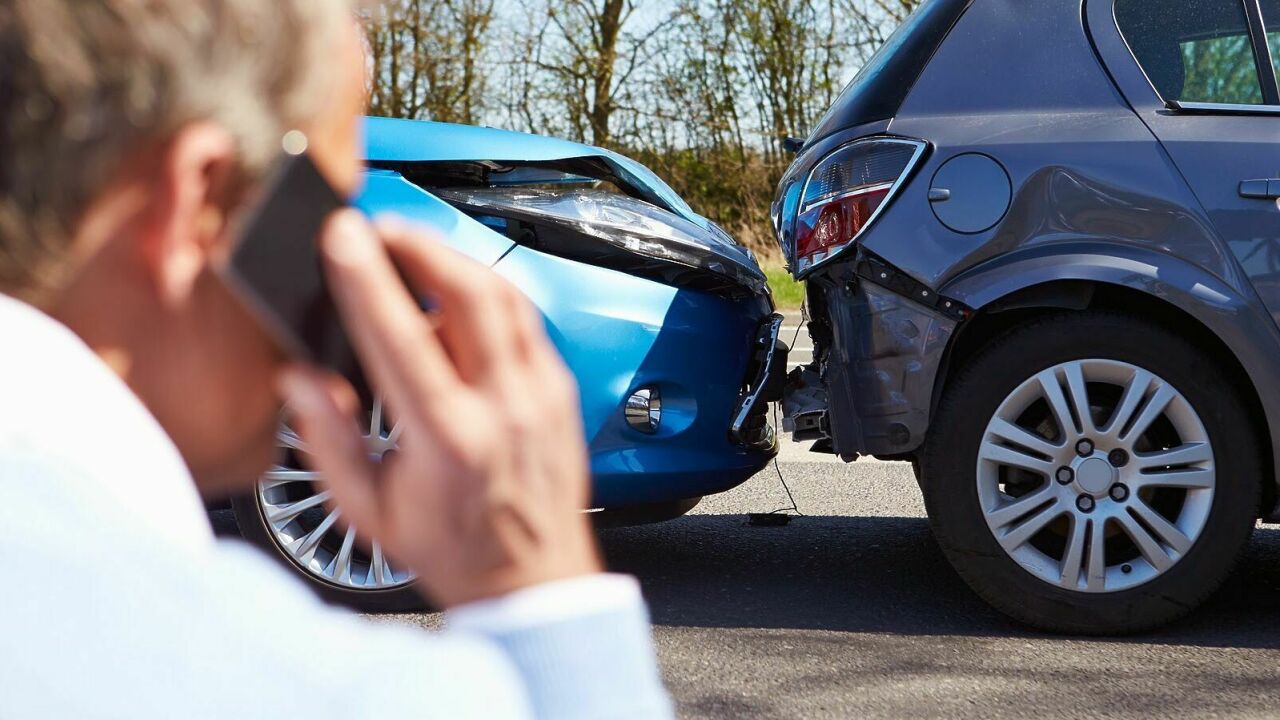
619, 333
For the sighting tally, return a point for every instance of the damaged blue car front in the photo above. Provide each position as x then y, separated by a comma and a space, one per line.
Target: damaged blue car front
665, 321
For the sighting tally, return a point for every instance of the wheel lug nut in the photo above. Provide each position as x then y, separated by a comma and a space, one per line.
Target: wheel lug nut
1065, 475
1085, 503
1119, 492
1118, 458
1084, 448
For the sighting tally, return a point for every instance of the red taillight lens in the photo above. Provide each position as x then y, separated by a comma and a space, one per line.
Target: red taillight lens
845, 193
837, 222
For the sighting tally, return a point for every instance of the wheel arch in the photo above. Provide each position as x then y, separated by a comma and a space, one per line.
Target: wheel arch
1173, 293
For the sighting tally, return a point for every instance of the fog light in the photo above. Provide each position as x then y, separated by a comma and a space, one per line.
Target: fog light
644, 410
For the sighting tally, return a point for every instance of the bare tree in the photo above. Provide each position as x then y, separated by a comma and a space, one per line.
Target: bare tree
427, 58
587, 54
871, 22
703, 91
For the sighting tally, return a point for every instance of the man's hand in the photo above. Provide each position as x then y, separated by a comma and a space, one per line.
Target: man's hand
486, 492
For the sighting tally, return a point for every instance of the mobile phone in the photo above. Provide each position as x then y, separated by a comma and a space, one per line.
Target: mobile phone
275, 266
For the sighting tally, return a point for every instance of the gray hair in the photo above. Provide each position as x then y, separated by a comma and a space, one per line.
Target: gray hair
85, 83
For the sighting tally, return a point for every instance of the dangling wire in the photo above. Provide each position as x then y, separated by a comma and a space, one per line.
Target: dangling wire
804, 319
778, 468
794, 508
759, 518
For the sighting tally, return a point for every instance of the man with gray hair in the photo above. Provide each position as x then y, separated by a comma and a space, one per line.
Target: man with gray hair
132, 382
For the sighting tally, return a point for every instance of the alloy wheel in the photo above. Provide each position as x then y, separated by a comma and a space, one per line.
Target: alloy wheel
293, 501
1096, 475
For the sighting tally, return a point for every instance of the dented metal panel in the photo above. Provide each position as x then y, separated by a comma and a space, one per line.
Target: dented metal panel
392, 141
883, 354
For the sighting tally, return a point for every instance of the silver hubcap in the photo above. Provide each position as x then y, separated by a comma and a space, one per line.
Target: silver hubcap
1096, 475
292, 500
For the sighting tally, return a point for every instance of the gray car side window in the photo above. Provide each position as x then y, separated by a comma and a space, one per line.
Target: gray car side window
1197, 51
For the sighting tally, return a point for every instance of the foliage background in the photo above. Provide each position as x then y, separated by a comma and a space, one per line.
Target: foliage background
702, 91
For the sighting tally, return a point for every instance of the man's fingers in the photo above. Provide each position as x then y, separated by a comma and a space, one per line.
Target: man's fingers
473, 303
323, 417
397, 346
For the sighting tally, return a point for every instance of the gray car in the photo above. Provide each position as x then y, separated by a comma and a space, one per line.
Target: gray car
1042, 247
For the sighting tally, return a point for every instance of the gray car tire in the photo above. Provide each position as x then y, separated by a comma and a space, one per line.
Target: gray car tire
952, 466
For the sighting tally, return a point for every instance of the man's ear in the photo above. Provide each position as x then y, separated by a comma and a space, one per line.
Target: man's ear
186, 215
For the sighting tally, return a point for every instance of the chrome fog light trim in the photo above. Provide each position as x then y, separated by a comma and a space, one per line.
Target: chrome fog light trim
644, 410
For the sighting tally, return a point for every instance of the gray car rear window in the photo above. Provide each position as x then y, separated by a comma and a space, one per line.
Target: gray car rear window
1193, 50
880, 87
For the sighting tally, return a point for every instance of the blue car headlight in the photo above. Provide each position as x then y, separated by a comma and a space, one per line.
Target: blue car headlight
618, 232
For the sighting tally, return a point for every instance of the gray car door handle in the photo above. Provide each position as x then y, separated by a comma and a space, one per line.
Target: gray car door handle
1261, 189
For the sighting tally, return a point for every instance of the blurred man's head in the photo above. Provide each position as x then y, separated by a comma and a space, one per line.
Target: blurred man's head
130, 130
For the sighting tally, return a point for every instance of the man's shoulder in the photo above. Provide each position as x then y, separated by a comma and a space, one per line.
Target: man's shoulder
49, 379
32, 338
68, 419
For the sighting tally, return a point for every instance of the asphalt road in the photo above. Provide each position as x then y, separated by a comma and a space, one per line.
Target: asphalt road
851, 612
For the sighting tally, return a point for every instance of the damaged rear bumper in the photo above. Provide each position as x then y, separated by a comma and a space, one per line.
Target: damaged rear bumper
879, 339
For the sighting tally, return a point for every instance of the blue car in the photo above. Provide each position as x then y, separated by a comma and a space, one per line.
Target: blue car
666, 322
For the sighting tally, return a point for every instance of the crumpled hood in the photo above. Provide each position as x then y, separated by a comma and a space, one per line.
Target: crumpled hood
504, 179
391, 140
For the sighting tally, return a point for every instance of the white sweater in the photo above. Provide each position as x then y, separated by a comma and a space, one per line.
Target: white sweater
117, 601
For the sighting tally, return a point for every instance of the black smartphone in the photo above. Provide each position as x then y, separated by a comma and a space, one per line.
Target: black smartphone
275, 266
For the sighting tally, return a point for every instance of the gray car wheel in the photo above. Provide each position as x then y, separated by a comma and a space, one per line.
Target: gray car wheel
1092, 473
1124, 498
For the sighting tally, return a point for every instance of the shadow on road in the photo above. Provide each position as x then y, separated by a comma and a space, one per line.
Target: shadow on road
879, 575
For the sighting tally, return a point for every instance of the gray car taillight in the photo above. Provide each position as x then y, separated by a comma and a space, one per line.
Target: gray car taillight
845, 193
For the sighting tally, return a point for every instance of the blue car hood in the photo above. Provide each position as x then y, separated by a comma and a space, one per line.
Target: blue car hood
390, 140
688, 248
